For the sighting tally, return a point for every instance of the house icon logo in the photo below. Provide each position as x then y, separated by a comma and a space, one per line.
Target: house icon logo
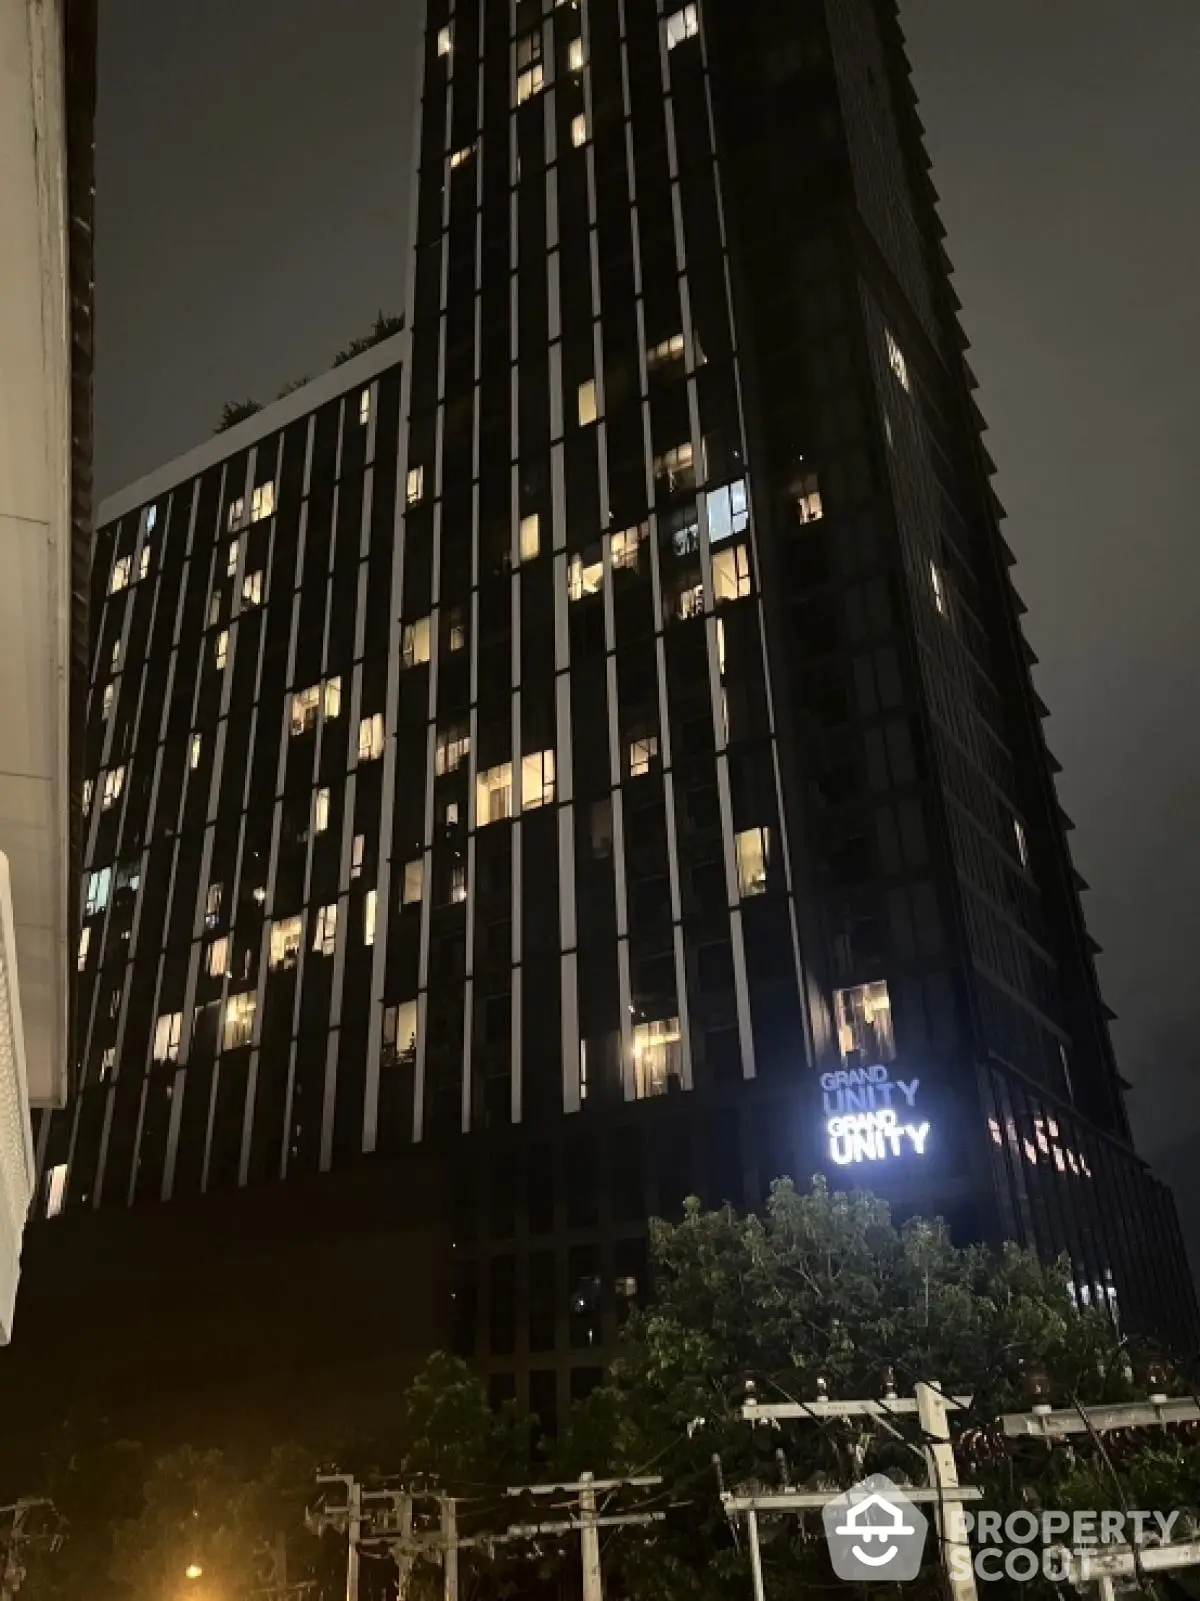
875, 1532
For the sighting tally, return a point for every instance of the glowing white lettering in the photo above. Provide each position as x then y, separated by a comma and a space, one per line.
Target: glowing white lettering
861, 1115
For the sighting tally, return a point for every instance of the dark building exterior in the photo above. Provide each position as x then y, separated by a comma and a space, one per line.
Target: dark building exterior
590, 737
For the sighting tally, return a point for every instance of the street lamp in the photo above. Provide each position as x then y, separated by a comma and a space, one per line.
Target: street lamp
193, 1571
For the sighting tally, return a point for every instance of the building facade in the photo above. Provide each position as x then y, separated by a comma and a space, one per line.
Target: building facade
47, 92
591, 735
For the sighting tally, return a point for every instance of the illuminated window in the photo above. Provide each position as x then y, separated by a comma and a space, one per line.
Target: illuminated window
332, 697
357, 853
864, 1025
896, 361
56, 1189
115, 658
239, 1020
168, 1031
414, 882
114, 783
530, 538
400, 1032
443, 41
416, 485
453, 743
214, 608
369, 905
493, 795
85, 941
690, 601
450, 814
731, 573
414, 642
107, 701
529, 49
120, 574
221, 649
216, 956
643, 751
537, 779
665, 353
623, 547
1022, 842
144, 561
676, 466
321, 812
585, 575
575, 55
364, 408
808, 500
262, 501
728, 512
938, 587
196, 750
456, 630
151, 518
586, 402
458, 882
231, 559
252, 586
98, 886
753, 851
87, 794
325, 932
286, 935
458, 157
212, 906
682, 24
529, 82
306, 704
370, 738
579, 130
657, 1056
237, 513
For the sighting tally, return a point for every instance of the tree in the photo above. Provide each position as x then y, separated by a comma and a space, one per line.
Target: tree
384, 327
236, 411
825, 1286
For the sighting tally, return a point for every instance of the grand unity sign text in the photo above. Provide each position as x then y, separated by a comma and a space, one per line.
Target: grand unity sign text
870, 1116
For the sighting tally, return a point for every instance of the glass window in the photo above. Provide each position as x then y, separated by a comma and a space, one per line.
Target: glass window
623, 547
114, 783
262, 501
493, 795
456, 631
575, 55
332, 697
937, 585
167, 1033
416, 485
537, 779
151, 518
305, 705
231, 557
808, 500
579, 130
530, 537
364, 407
682, 24
458, 157
585, 575
731, 573
98, 886
657, 1056
252, 587
586, 402
529, 82
753, 852
676, 466
400, 1032
212, 905
453, 744
369, 913
325, 931
896, 361
87, 794
216, 956
196, 751
1021, 841
237, 513
728, 512
106, 702
444, 39
414, 881
221, 649
414, 642
665, 353
120, 574
321, 812
56, 1189
286, 935
643, 751
357, 853
370, 738
85, 940
144, 561
239, 1020
864, 1024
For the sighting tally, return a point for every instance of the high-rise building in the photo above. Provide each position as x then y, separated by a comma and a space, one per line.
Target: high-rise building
590, 737
47, 89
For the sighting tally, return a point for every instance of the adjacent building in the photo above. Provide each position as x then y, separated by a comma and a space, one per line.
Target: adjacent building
589, 737
47, 87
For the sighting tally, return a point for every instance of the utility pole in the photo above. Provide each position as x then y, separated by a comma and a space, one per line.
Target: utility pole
589, 1539
449, 1548
930, 1407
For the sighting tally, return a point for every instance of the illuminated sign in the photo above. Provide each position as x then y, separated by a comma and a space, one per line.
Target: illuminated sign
870, 1116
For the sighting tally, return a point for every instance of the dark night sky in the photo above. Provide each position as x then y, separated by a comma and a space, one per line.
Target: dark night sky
252, 191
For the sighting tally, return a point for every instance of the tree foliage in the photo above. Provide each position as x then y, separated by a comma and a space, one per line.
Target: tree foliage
384, 327
236, 411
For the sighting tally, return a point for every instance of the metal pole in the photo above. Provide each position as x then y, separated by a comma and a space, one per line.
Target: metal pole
353, 1536
755, 1557
933, 1412
593, 1588
1108, 1589
450, 1544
